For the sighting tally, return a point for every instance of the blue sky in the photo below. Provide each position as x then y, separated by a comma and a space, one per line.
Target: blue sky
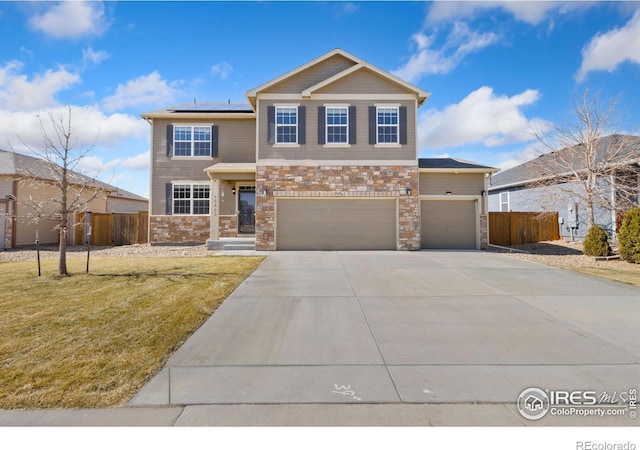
496, 70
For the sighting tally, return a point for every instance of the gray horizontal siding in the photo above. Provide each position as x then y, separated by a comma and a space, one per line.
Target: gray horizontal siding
6, 186
227, 200
236, 143
457, 184
362, 150
312, 75
362, 82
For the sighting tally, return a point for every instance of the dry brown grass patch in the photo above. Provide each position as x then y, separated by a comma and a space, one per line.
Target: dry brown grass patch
93, 340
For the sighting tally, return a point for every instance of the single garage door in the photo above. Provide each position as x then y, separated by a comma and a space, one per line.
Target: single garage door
448, 224
330, 224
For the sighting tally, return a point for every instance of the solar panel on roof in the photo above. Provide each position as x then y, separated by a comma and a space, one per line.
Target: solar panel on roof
212, 107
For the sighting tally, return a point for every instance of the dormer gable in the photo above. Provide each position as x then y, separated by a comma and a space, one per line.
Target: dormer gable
336, 68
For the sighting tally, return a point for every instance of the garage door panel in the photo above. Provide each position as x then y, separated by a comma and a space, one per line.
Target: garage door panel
336, 224
448, 224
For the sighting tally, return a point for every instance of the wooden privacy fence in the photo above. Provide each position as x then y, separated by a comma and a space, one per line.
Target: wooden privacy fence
114, 228
513, 228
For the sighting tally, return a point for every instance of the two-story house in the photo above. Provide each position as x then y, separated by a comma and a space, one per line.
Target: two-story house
324, 157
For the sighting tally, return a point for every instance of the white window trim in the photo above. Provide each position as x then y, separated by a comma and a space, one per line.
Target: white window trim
328, 144
275, 118
508, 203
191, 157
397, 126
191, 199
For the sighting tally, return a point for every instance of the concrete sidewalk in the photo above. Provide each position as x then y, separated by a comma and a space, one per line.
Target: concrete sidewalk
400, 415
390, 338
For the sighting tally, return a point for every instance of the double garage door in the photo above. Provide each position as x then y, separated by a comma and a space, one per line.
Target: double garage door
337, 224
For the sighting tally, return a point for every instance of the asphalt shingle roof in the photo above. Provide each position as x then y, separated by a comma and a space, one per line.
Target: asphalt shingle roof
449, 163
531, 170
17, 164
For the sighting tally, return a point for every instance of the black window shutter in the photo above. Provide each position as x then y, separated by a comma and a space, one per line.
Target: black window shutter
169, 208
271, 124
352, 124
403, 125
214, 141
373, 139
169, 141
321, 125
302, 125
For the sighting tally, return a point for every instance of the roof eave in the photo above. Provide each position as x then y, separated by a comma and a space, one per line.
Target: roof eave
459, 170
197, 115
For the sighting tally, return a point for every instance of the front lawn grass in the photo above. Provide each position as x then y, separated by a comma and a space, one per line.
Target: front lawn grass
619, 271
89, 341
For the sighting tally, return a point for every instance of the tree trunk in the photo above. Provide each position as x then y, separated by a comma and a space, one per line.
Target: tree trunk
590, 212
64, 222
62, 262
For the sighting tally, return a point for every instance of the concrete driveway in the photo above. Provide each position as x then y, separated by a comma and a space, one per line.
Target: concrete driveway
405, 327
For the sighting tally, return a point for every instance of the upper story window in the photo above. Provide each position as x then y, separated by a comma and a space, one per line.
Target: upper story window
191, 140
337, 120
388, 125
286, 125
191, 199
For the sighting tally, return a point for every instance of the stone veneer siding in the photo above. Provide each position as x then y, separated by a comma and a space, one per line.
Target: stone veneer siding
179, 229
8, 230
228, 226
339, 182
484, 231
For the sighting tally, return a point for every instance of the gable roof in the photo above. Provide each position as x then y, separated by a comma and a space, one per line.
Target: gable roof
20, 165
358, 65
451, 164
530, 171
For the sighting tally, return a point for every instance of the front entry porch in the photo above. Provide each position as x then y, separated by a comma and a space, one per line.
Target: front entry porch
233, 206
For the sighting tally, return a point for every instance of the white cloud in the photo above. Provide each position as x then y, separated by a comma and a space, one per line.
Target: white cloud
90, 126
608, 50
90, 56
19, 93
531, 12
223, 70
460, 42
71, 19
141, 161
145, 90
481, 117
95, 166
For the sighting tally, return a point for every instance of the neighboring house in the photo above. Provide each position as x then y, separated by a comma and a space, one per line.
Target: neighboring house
25, 180
543, 184
323, 157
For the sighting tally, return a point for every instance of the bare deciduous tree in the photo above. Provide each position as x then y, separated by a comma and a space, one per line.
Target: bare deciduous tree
60, 155
589, 161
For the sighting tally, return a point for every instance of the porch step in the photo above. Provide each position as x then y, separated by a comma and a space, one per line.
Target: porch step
244, 243
239, 247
